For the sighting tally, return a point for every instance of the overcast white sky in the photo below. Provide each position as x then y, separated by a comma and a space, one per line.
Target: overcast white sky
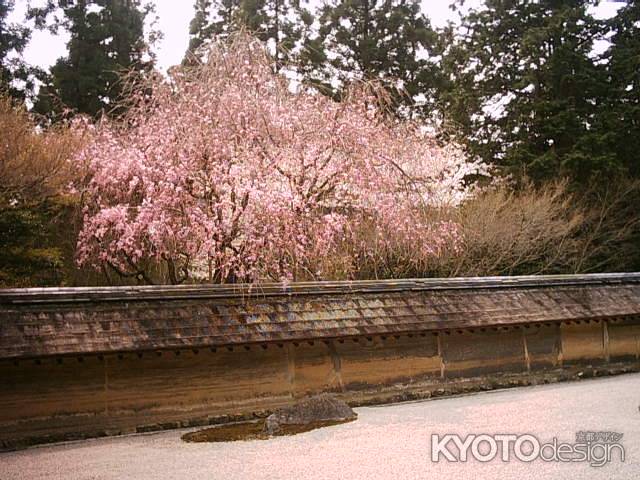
174, 17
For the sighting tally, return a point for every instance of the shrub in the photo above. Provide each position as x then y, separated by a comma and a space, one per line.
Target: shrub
34, 171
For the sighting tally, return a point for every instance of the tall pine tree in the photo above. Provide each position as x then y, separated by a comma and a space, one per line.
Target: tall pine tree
16, 77
279, 23
524, 87
390, 41
107, 41
620, 117
199, 26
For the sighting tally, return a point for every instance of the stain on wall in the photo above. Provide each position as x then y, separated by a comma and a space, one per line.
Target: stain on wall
70, 397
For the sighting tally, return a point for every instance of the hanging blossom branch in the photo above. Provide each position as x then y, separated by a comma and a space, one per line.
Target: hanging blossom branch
223, 174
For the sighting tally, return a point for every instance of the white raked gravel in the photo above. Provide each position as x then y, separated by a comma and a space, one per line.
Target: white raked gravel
386, 443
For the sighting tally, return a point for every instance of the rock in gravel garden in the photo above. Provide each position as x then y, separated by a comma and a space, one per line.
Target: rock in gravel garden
319, 409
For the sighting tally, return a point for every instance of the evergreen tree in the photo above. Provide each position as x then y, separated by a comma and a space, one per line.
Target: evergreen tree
211, 19
199, 26
620, 117
279, 23
107, 41
391, 41
524, 87
16, 77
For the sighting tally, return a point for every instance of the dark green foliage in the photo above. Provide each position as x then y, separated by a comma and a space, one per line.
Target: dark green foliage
107, 41
29, 254
16, 77
390, 41
212, 18
620, 115
279, 23
525, 88
199, 28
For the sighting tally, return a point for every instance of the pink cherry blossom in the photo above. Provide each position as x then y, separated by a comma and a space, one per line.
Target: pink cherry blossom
223, 174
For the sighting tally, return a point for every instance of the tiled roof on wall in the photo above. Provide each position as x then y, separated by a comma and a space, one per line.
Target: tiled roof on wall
49, 322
